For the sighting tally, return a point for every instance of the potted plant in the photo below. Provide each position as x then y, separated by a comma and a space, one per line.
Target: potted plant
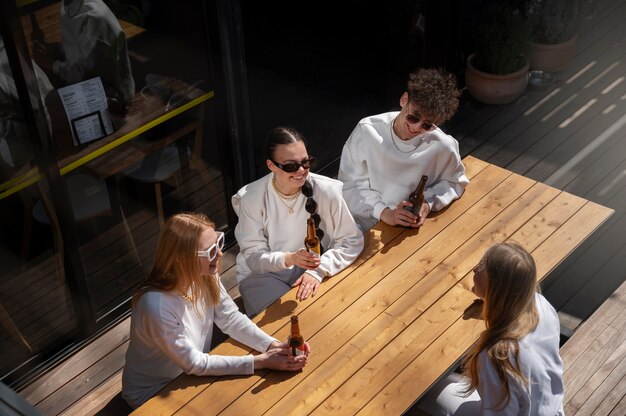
555, 25
497, 73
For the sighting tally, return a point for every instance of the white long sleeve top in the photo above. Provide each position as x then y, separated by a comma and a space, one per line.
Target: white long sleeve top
168, 337
266, 229
378, 170
540, 363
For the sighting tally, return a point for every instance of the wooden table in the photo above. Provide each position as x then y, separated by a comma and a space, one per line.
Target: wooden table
387, 328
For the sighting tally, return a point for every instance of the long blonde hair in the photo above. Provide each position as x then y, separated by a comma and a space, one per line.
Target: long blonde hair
509, 312
176, 266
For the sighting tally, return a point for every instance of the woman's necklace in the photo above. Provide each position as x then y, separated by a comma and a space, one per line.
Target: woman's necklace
282, 197
185, 296
393, 140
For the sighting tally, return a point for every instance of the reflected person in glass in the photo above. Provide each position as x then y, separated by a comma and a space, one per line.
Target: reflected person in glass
273, 213
15, 148
514, 367
93, 44
174, 311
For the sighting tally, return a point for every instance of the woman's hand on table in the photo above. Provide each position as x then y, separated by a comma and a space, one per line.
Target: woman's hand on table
302, 259
308, 286
278, 357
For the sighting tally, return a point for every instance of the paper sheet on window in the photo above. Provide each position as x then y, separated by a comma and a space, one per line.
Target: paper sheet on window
86, 106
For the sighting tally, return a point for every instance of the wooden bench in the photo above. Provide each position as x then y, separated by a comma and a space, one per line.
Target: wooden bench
90, 381
594, 361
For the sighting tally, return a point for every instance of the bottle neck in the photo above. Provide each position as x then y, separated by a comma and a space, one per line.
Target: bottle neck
295, 329
310, 229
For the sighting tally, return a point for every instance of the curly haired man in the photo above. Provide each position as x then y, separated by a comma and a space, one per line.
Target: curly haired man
387, 154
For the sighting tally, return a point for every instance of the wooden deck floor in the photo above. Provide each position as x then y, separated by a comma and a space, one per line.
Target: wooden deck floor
570, 136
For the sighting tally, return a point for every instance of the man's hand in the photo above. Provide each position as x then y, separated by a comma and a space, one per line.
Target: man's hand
403, 217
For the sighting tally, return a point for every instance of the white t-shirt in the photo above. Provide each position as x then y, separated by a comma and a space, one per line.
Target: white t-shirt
167, 338
266, 229
378, 170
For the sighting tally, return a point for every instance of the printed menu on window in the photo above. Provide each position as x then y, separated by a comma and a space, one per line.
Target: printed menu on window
86, 107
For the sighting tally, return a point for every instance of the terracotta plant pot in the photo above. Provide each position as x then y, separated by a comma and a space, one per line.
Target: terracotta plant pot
495, 89
552, 58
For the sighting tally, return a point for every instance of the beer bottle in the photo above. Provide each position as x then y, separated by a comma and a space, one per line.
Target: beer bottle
295, 341
417, 197
36, 34
311, 242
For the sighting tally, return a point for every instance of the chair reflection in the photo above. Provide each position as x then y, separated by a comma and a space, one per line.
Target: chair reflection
157, 167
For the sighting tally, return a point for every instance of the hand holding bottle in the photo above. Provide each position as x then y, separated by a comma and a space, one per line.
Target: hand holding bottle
302, 258
278, 357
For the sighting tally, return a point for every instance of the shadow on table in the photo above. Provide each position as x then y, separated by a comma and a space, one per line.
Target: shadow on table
278, 310
474, 311
273, 378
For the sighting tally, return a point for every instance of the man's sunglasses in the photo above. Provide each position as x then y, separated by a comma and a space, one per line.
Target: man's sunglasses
413, 119
211, 252
294, 167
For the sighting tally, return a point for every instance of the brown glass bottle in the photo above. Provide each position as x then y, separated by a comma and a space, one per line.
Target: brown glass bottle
296, 340
417, 197
311, 242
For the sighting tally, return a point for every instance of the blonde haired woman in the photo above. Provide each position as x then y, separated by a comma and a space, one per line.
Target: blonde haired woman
514, 368
174, 311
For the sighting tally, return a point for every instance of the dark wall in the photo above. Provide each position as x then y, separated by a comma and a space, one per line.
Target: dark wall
323, 68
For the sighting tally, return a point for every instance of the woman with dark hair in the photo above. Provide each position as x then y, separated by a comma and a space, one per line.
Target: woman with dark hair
514, 367
273, 213
174, 311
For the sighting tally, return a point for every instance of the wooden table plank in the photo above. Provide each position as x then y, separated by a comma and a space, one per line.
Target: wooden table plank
460, 262
417, 299
397, 394
349, 320
397, 310
328, 308
496, 202
185, 389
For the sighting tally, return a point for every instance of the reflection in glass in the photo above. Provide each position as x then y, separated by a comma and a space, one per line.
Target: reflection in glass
162, 157
93, 44
15, 148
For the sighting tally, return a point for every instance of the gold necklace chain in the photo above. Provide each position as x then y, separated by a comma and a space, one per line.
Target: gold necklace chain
393, 140
282, 198
185, 296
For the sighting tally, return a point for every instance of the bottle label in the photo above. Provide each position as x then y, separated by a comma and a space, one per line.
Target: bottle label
314, 251
296, 351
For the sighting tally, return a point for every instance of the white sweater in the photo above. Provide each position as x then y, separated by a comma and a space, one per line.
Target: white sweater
167, 338
266, 229
540, 363
378, 170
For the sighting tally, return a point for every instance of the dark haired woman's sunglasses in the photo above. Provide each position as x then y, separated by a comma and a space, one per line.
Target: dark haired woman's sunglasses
294, 167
